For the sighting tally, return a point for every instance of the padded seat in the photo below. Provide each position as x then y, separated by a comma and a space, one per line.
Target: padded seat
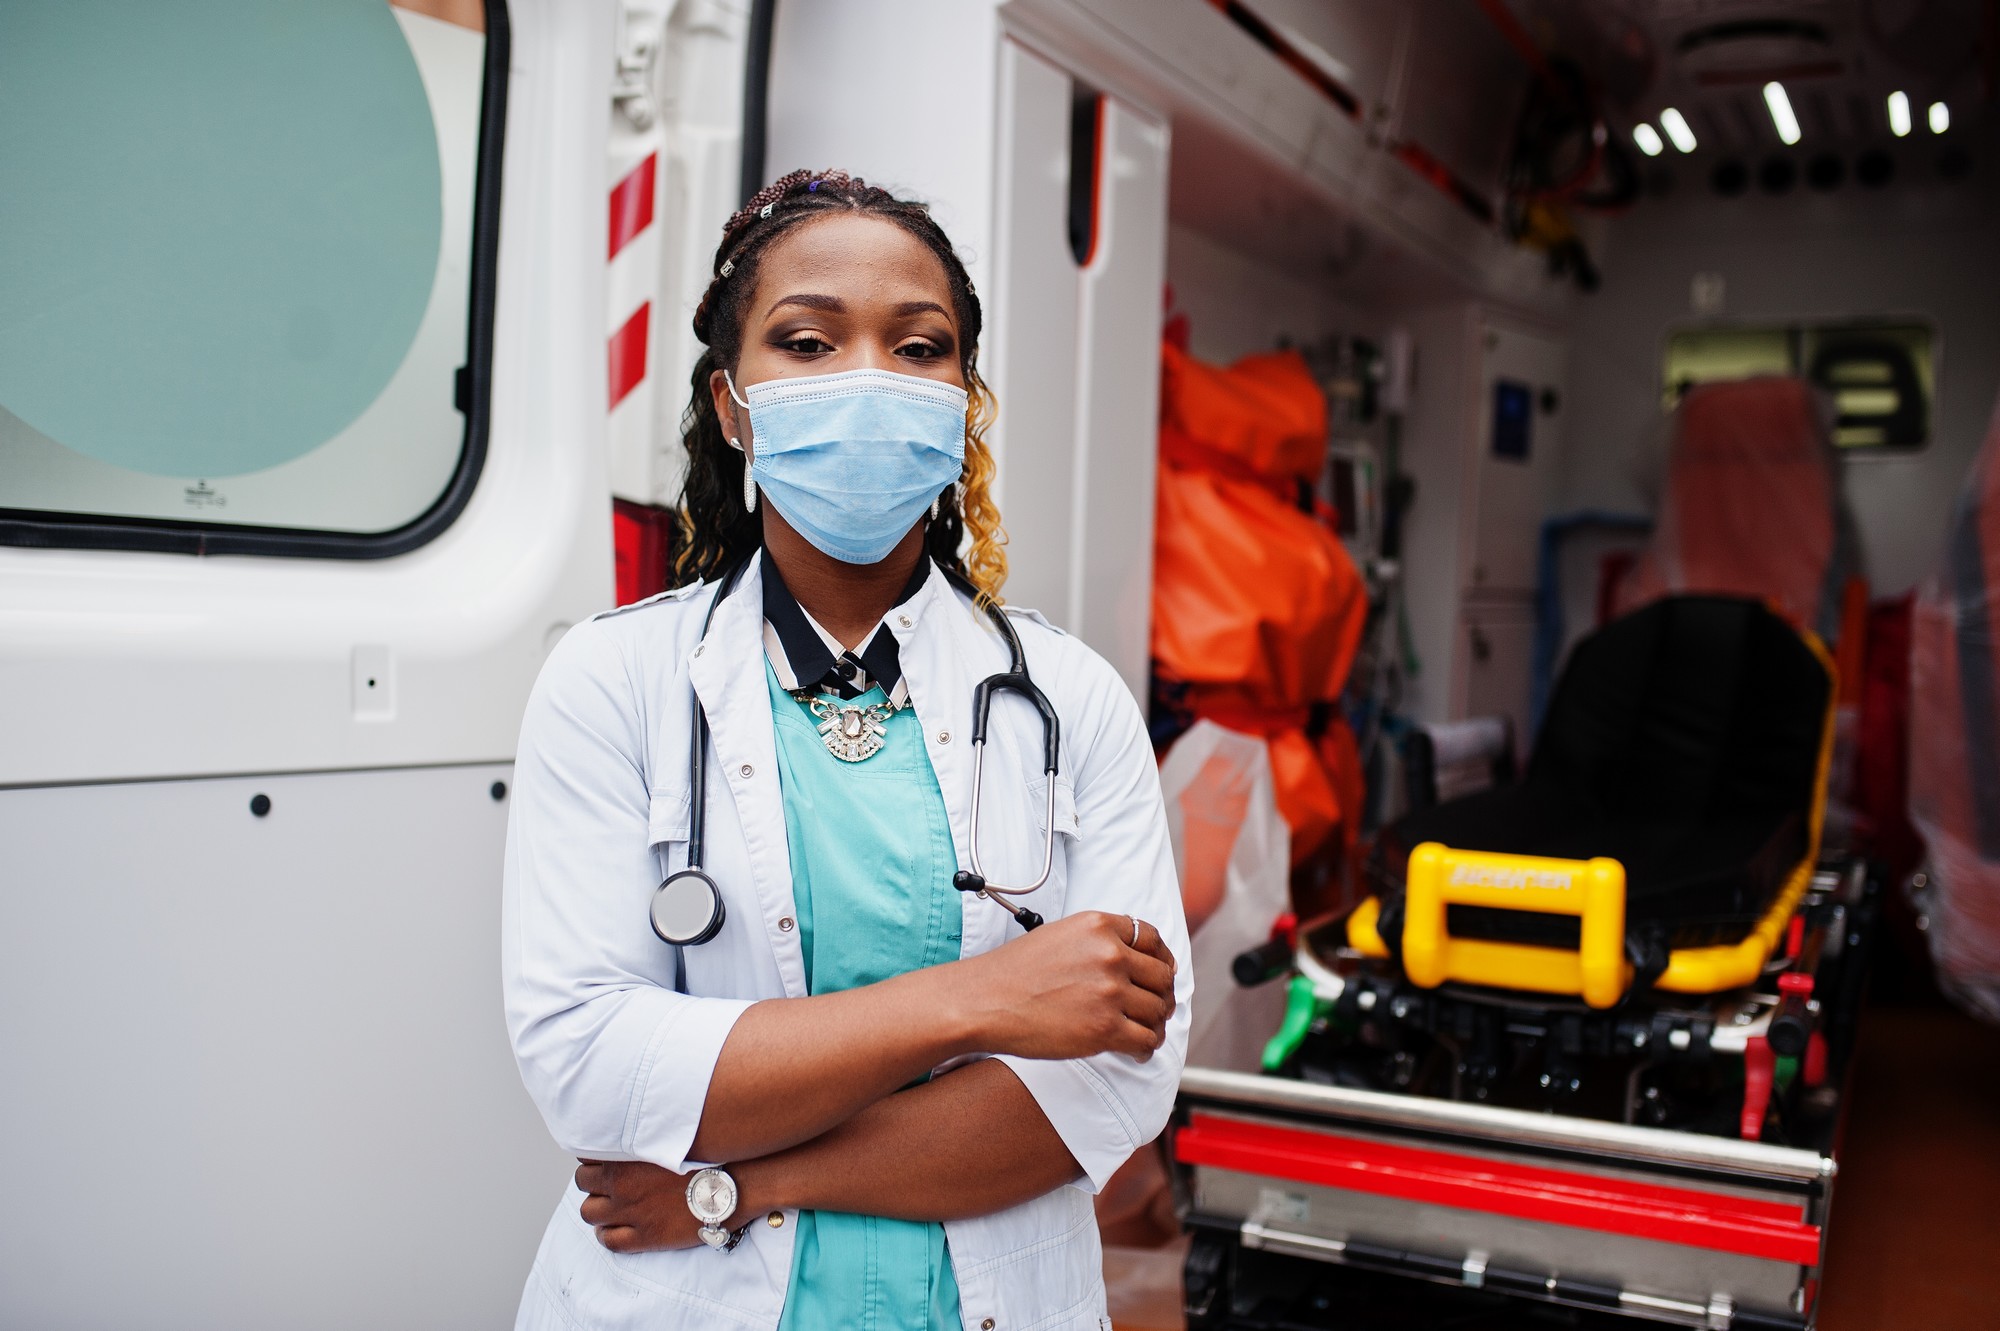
1685, 741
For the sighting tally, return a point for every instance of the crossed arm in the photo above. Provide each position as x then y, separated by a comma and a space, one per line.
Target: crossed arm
933, 1152
804, 1095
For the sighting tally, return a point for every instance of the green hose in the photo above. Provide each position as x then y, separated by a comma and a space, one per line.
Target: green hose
1302, 1009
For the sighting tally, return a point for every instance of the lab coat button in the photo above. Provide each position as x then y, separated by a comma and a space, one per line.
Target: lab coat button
904, 620
747, 770
776, 1220
986, 1325
944, 737
785, 925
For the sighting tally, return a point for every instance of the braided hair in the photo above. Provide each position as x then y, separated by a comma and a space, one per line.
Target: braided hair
715, 530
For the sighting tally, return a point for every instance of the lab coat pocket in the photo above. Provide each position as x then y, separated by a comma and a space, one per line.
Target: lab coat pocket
667, 827
1038, 789
1068, 834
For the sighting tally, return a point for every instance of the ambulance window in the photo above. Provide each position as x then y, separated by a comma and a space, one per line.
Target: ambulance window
246, 260
1879, 376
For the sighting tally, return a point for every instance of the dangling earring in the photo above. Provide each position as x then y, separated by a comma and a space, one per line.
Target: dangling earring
749, 481
934, 503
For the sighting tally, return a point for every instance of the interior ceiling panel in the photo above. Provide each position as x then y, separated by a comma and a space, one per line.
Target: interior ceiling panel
1838, 60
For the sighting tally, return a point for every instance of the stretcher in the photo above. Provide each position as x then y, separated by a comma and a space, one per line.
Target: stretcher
1584, 1044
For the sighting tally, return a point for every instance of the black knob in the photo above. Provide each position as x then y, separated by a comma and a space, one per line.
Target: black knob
1263, 963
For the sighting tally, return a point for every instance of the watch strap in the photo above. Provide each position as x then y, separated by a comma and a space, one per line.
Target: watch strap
723, 1240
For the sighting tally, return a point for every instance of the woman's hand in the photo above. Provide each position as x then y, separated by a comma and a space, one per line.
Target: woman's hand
637, 1207
1075, 987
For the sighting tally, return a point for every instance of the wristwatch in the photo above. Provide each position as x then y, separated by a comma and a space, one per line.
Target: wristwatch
711, 1195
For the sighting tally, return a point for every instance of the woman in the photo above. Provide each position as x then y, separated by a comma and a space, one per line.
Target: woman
907, 1097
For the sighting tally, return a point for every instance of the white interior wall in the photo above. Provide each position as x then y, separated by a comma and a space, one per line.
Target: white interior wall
1237, 304
1916, 248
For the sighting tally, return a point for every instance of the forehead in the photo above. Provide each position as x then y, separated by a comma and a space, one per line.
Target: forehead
854, 256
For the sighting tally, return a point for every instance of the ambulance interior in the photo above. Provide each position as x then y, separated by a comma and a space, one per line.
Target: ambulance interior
1536, 462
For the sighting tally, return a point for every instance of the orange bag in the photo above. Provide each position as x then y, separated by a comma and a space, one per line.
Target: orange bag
1257, 607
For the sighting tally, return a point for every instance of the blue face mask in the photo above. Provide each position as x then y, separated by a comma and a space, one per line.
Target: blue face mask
852, 460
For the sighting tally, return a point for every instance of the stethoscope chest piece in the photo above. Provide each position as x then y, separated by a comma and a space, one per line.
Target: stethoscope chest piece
687, 908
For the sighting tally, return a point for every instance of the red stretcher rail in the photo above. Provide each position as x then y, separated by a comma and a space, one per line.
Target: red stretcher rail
1719, 1222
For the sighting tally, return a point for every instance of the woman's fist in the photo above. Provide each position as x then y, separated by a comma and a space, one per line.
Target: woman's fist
636, 1207
1086, 984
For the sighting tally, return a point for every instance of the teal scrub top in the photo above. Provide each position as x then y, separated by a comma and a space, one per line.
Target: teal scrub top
872, 863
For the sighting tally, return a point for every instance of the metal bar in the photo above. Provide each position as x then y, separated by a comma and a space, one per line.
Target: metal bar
1508, 1127
1258, 1235
1753, 1228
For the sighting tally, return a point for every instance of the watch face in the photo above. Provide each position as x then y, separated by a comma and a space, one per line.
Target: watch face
711, 1195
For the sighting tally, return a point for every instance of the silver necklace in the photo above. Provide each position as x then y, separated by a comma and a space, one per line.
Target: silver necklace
851, 733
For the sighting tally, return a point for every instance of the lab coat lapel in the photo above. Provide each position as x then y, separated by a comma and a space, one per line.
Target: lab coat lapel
727, 672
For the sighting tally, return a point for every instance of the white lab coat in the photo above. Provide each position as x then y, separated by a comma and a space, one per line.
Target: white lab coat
619, 1063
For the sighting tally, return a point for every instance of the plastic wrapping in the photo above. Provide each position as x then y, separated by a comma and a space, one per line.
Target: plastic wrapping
1955, 742
1257, 607
1749, 503
1233, 853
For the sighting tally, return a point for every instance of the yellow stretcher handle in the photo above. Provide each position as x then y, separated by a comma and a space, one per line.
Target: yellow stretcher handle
1593, 890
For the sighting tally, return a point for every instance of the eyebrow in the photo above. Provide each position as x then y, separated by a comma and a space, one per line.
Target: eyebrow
826, 304
835, 305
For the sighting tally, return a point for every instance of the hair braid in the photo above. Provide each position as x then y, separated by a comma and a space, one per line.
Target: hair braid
715, 529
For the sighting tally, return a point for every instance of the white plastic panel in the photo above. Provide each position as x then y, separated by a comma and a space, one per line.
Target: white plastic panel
1031, 346
913, 110
1495, 666
1434, 449
256, 1073
1075, 361
1117, 436
1514, 494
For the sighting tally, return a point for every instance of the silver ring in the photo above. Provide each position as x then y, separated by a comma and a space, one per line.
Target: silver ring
1135, 931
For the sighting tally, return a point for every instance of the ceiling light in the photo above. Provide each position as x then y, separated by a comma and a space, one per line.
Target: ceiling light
1781, 112
1648, 139
1677, 129
1940, 117
1899, 114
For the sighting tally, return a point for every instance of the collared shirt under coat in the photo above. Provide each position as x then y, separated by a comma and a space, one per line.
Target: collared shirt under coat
619, 1063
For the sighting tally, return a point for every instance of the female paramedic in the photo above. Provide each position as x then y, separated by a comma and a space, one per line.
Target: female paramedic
773, 971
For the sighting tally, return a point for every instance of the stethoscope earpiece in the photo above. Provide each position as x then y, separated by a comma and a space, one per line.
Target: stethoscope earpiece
965, 880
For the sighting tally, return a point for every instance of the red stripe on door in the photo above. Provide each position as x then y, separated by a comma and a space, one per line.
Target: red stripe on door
632, 204
1717, 1221
628, 353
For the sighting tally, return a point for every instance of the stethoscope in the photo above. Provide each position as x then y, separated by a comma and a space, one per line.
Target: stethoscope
687, 908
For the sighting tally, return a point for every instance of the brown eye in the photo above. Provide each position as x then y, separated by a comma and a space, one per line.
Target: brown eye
807, 345
920, 350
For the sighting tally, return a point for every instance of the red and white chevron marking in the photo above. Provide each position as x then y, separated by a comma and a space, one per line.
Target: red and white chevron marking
634, 276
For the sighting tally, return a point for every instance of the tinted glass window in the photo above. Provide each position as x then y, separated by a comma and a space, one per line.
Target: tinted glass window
1881, 377
235, 259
